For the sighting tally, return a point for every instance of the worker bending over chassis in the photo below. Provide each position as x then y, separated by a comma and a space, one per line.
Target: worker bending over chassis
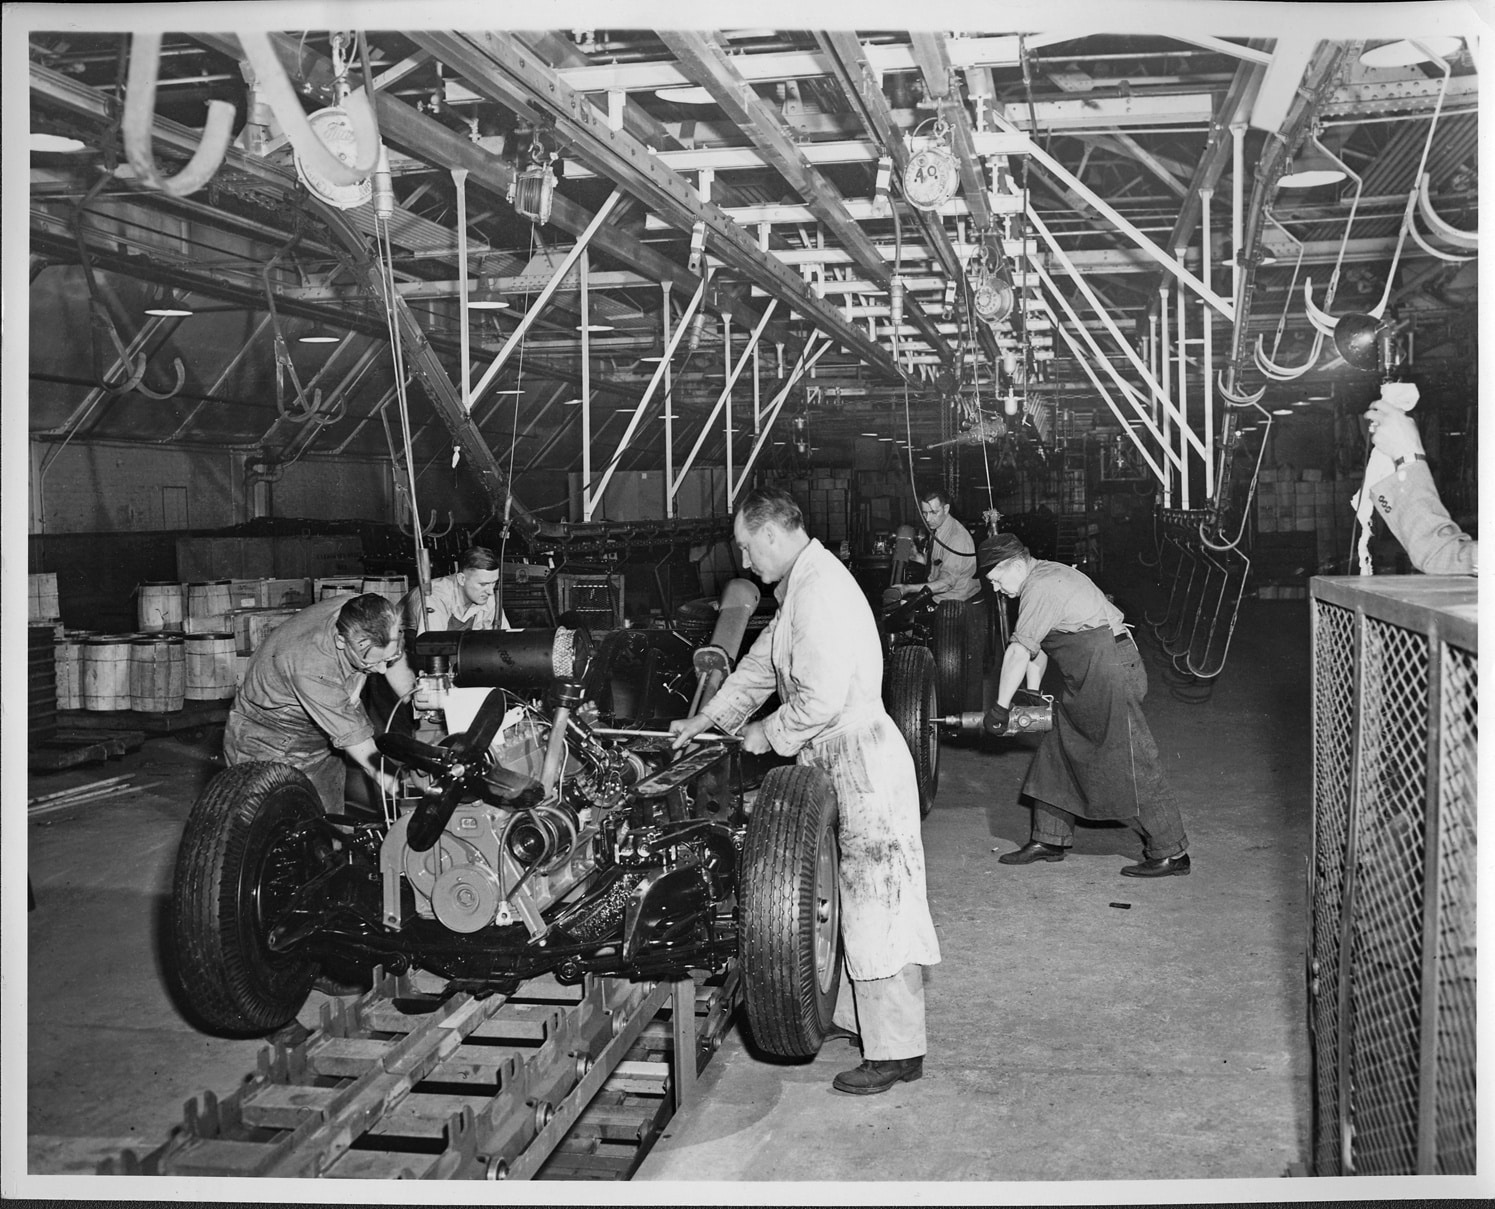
822, 655
299, 703
1100, 760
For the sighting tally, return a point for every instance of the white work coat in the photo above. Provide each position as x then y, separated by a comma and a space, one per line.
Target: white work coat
821, 653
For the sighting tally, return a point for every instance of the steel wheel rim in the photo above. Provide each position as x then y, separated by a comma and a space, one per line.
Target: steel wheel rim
827, 906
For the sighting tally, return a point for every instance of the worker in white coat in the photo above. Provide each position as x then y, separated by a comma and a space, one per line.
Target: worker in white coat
821, 654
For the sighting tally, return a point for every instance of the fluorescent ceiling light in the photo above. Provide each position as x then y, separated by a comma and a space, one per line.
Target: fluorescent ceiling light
487, 304
1282, 411
512, 390
317, 338
1403, 54
689, 95
55, 142
596, 327
869, 434
168, 311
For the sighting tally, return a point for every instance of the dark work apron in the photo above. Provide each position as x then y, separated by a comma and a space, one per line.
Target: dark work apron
1085, 765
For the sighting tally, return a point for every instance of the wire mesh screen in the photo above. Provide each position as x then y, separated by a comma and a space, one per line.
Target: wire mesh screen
1393, 980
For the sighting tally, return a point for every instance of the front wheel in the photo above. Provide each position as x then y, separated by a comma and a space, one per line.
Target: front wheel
912, 703
250, 844
791, 912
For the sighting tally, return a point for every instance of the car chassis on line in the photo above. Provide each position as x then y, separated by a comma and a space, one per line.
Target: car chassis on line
540, 837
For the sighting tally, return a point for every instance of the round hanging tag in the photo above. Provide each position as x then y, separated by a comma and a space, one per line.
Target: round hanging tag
333, 126
931, 178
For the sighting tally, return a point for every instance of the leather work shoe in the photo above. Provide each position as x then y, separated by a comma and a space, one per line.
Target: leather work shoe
872, 1077
837, 1033
1168, 866
1033, 850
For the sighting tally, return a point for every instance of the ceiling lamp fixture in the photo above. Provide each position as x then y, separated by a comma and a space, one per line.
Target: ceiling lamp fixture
317, 334
486, 297
55, 143
691, 94
167, 306
1406, 52
1312, 167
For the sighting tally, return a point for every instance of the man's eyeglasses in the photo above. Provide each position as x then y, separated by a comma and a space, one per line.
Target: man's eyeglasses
361, 657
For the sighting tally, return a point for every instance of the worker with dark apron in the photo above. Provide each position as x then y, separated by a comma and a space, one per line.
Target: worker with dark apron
1100, 761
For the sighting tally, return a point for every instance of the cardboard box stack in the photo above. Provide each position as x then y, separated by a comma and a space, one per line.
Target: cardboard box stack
1302, 518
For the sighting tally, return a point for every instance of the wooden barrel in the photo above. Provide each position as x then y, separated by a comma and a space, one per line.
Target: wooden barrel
161, 606
211, 598
42, 599
67, 658
211, 662
106, 672
158, 673
391, 587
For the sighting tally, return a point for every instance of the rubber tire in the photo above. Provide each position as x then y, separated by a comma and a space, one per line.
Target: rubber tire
233, 984
789, 995
912, 703
951, 655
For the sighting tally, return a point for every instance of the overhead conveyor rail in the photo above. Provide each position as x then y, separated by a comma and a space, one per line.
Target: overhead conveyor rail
553, 1081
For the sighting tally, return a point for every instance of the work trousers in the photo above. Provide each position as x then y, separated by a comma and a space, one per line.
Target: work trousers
244, 741
1157, 821
887, 1013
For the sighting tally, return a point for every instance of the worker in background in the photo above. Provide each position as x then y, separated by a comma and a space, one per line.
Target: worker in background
463, 600
821, 653
952, 553
299, 703
1100, 760
1404, 494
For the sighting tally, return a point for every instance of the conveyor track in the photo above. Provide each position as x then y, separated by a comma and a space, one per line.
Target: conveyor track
551, 1082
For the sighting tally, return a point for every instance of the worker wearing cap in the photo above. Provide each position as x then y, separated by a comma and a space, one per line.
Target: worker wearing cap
299, 703
463, 600
952, 552
1100, 760
820, 653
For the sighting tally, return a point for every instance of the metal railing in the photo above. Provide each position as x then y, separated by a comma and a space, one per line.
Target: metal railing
1392, 963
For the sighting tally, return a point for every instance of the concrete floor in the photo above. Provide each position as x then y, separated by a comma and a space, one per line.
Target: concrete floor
1070, 1038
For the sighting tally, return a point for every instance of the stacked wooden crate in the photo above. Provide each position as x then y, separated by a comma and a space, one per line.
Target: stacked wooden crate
829, 493
1305, 517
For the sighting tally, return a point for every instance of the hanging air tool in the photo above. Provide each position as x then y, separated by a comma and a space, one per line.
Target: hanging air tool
1031, 714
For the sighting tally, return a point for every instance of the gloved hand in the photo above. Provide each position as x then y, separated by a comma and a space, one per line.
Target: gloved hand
995, 720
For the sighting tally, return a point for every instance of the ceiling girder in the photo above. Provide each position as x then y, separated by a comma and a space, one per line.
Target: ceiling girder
432, 375
861, 85
433, 143
702, 58
932, 54
495, 62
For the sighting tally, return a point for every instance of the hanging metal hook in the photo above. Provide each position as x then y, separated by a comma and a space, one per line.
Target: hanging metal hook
1229, 393
1445, 232
140, 107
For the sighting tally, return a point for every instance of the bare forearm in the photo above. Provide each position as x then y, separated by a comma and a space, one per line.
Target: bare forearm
1015, 664
1037, 665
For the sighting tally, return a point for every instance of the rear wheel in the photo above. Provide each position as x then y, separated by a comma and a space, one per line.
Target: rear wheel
250, 844
954, 653
914, 707
791, 912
